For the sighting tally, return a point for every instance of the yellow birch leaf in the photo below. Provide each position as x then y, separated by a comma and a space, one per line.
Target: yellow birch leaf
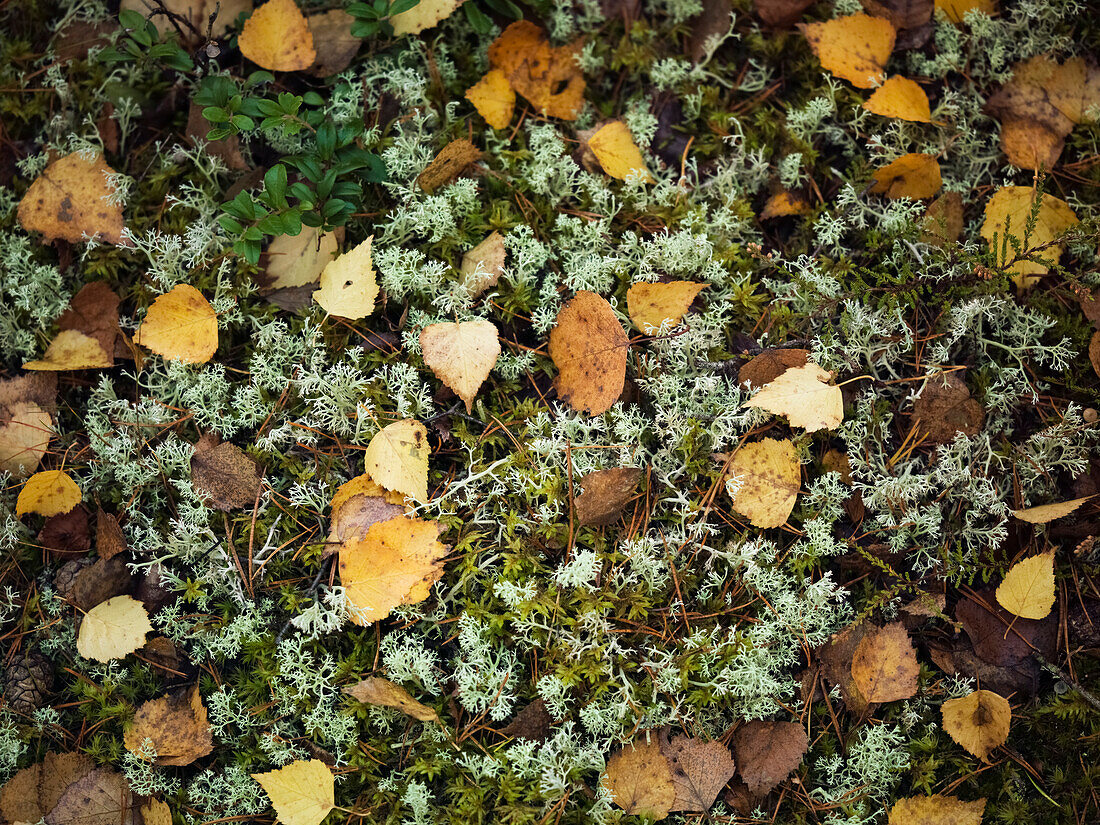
769, 479
1048, 512
494, 98
913, 176
900, 98
640, 779
155, 812
1028, 587
618, 154
277, 37
48, 493
804, 396
483, 265
348, 286
24, 438
72, 350
884, 665
180, 324
384, 693
113, 629
784, 203
855, 47
394, 563
302, 793
461, 354
298, 260
650, 305
1007, 213
978, 722
424, 15
69, 200
937, 809
397, 458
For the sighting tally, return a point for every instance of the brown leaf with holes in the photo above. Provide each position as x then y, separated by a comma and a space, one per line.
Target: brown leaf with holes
945, 408
177, 726
451, 161
547, 76
589, 348
768, 752
224, 474
382, 692
884, 665
699, 771
640, 779
606, 493
69, 200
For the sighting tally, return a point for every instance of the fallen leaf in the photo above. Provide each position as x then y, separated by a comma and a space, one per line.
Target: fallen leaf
33, 792
943, 220
109, 539
180, 324
348, 284
48, 493
1045, 513
176, 725
69, 200
1028, 587
639, 779
299, 260
533, 722
103, 580
1020, 677
837, 655
277, 37
804, 396
978, 722
884, 666
770, 364
913, 176
397, 458
548, 77
113, 630
94, 311
900, 98
224, 474
72, 350
589, 348
394, 563
1007, 213
902, 14
937, 809
708, 28
426, 14
768, 752
483, 265
101, 797
854, 47
451, 161
769, 478
227, 148
606, 493
945, 408
25, 433
956, 9
1094, 355
699, 770
198, 12
356, 514
1029, 144
68, 535
302, 793
461, 354
494, 98
1001, 638
617, 153
783, 204
651, 305
376, 691
780, 13
332, 29
155, 812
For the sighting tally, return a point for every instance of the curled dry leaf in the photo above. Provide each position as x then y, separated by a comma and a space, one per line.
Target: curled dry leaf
180, 324
113, 629
766, 478
395, 562
302, 793
109, 538
606, 493
1028, 587
884, 665
48, 493
483, 265
589, 348
494, 98
640, 779
836, 657
397, 458
804, 396
348, 287
978, 722
277, 37
451, 161
70, 200
1045, 513
768, 752
900, 98
377, 691
651, 305
224, 474
1006, 215
461, 354
547, 76
854, 47
913, 176
699, 771
176, 725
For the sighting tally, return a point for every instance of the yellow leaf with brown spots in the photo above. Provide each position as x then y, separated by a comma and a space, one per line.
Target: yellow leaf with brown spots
979, 722
1006, 216
72, 350
397, 458
855, 47
547, 76
640, 779
885, 667
69, 201
176, 725
765, 478
48, 493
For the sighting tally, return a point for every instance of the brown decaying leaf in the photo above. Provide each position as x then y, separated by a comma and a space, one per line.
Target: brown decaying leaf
68, 201
67, 535
26, 425
94, 311
978, 722
177, 726
533, 722
34, 791
448, 164
780, 14
224, 474
606, 493
836, 656
1094, 352
547, 76
103, 580
1020, 678
945, 408
884, 665
699, 771
903, 14
483, 265
712, 22
936, 809
355, 515
109, 538
102, 797
198, 12
768, 752
589, 348
377, 691
1001, 638
943, 220
332, 31
228, 149
640, 779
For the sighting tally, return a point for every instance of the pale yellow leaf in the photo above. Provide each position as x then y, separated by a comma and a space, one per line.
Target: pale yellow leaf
483, 265
302, 793
1048, 512
424, 15
72, 350
804, 396
298, 260
113, 629
1007, 214
348, 285
1028, 587
397, 458
767, 477
24, 438
461, 354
